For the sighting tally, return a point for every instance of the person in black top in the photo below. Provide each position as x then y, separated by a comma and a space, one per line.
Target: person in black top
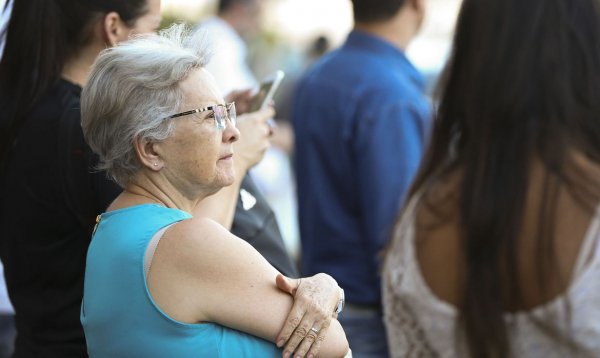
257, 225
48, 196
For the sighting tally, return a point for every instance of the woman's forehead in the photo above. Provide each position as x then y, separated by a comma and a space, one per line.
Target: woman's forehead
200, 86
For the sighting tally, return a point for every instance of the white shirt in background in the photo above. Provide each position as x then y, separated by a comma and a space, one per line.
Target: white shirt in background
228, 62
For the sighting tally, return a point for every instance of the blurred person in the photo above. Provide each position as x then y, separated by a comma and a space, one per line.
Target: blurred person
162, 131
48, 196
225, 34
497, 252
318, 47
361, 120
254, 220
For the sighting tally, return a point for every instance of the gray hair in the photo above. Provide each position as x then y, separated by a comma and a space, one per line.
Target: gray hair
132, 88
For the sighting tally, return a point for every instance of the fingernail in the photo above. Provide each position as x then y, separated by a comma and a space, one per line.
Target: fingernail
280, 343
311, 356
286, 354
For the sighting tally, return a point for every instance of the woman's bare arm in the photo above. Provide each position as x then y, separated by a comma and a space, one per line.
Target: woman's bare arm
203, 273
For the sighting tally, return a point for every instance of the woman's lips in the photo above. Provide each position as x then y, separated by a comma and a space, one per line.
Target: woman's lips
226, 156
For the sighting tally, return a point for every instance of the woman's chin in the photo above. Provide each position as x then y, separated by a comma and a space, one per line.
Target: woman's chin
227, 179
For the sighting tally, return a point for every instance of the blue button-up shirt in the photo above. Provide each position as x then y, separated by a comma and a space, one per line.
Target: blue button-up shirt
361, 121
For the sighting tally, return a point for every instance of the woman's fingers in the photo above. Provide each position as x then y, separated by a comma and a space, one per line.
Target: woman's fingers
312, 342
306, 325
311, 321
286, 284
292, 322
299, 334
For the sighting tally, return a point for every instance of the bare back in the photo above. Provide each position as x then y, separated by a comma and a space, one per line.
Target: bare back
442, 262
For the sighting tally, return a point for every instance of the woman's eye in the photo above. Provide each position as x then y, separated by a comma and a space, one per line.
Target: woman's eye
210, 117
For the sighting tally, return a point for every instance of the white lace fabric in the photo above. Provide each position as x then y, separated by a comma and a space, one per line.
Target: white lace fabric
419, 324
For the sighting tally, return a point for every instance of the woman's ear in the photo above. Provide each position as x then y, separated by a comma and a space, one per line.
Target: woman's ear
416, 9
114, 29
420, 6
147, 155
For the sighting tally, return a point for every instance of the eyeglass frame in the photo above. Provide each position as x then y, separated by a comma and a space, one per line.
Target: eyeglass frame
220, 120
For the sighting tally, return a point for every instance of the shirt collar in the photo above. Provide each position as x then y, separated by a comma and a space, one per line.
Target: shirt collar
386, 50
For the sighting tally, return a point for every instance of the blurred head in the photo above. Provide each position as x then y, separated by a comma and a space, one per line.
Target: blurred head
134, 112
44, 34
522, 84
119, 19
319, 47
398, 21
368, 11
148, 21
243, 15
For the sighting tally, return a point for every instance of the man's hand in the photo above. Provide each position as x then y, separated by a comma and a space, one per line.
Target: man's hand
254, 139
242, 99
315, 299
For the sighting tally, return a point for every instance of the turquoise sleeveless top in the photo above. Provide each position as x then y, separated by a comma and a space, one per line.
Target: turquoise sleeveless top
119, 317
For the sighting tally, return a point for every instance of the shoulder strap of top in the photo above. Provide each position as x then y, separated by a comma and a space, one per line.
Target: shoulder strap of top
149, 255
409, 213
589, 246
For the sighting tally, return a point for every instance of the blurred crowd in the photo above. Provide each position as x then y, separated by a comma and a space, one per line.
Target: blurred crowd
152, 204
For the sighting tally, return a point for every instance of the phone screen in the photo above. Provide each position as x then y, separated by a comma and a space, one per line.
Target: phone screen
266, 91
259, 98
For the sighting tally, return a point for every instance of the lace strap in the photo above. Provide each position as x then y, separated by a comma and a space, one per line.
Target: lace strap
407, 227
587, 252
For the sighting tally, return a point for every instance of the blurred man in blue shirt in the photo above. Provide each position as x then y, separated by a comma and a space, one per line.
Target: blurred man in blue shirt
361, 120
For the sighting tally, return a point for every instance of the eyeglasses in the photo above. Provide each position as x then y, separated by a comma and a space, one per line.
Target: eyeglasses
220, 113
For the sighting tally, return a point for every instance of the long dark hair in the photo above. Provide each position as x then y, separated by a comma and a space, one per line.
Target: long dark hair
42, 35
522, 84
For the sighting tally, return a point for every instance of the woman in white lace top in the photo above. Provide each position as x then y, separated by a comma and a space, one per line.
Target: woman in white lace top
497, 251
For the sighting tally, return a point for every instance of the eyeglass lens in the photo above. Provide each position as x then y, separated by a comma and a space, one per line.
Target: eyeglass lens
222, 112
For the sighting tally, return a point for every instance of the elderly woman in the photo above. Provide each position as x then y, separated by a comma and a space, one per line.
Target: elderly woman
160, 282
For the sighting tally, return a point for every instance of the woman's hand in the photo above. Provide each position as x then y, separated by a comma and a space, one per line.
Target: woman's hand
315, 299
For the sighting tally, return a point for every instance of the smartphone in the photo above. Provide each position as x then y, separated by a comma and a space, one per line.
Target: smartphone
266, 91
